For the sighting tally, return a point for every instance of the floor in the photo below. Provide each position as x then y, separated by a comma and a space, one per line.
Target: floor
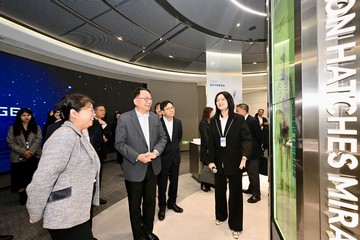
111, 221
197, 220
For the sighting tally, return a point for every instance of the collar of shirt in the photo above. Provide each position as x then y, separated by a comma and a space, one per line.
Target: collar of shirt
246, 116
169, 126
142, 115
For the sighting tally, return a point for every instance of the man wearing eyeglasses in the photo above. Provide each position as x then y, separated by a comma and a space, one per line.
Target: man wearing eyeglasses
170, 160
140, 138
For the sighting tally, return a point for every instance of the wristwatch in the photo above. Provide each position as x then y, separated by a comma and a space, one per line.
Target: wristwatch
156, 152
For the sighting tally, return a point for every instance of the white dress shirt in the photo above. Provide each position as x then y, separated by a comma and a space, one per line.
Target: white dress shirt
169, 126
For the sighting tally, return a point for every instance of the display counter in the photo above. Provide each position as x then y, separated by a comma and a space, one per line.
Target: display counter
195, 164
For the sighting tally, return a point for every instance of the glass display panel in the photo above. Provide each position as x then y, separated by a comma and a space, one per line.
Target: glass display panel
283, 117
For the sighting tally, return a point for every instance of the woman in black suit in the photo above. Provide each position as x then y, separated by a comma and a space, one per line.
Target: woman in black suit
204, 129
229, 148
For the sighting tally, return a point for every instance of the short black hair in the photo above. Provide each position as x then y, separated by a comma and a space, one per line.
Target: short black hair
138, 90
74, 101
243, 106
164, 104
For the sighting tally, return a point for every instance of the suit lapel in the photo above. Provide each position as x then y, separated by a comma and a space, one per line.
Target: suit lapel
228, 122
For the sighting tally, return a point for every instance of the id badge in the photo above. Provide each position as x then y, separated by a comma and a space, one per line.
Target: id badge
223, 142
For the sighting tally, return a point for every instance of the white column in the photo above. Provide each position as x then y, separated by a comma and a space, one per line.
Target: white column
224, 73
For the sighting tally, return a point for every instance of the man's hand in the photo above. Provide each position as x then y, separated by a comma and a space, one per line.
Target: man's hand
145, 157
243, 162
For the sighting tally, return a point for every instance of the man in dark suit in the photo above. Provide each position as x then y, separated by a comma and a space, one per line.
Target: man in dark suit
264, 124
99, 134
253, 164
170, 160
140, 138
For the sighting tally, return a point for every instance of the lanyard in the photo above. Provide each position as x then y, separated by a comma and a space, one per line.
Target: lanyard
217, 126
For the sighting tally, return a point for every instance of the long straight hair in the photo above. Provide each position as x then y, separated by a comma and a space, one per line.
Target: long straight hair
206, 114
230, 101
17, 127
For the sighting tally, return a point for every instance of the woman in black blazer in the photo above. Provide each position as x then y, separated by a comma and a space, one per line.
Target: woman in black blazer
204, 129
229, 148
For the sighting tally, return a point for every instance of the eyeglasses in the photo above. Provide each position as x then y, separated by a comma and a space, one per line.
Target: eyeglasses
169, 108
146, 99
89, 109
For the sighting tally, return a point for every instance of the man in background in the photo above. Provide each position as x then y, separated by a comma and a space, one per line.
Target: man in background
170, 160
252, 166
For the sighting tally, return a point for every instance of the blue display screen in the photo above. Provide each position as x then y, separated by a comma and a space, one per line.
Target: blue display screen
39, 86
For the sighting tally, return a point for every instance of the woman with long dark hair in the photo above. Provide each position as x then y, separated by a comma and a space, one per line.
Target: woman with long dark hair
204, 129
229, 148
24, 139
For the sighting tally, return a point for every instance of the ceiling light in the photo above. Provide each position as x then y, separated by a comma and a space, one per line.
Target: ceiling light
171, 56
238, 25
120, 38
254, 62
160, 39
247, 9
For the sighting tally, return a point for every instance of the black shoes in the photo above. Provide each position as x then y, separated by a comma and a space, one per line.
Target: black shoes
247, 191
151, 236
161, 215
102, 201
6, 237
176, 208
253, 199
205, 187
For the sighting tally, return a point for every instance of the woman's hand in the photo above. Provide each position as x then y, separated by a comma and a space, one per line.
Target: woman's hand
212, 165
27, 154
243, 162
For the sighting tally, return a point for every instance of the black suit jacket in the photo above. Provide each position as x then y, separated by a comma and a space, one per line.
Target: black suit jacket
238, 143
204, 129
171, 151
52, 128
257, 137
96, 135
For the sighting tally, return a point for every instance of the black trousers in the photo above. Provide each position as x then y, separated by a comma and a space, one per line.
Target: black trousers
252, 168
144, 193
78, 232
172, 173
235, 200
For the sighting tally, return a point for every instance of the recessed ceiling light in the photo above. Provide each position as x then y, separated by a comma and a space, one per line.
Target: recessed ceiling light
120, 38
238, 25
160, 39
254, 62
171, 56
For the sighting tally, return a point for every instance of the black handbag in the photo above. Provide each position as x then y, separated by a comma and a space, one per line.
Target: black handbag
207, 176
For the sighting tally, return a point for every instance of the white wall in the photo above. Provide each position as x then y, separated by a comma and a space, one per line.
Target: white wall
255, 101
